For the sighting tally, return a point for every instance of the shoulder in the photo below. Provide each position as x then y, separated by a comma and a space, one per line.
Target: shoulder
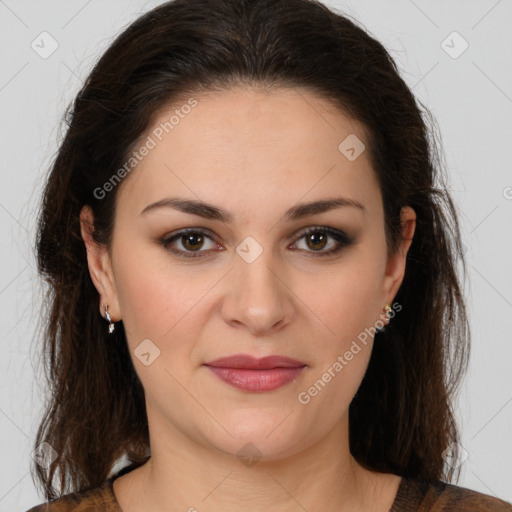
97, 499
441, 496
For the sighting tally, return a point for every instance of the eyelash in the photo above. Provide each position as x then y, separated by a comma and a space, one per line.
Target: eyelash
339, 236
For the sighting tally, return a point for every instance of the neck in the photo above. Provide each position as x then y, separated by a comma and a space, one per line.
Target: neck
187, 475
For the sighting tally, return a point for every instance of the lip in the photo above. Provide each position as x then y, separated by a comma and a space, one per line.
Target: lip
248, 362
249, 373
257, 381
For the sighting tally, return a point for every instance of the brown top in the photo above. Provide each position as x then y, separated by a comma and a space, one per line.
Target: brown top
412, 495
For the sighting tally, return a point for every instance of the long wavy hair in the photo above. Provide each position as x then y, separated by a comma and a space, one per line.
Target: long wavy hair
402, 418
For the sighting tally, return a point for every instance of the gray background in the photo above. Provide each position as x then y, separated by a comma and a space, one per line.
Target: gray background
470, 96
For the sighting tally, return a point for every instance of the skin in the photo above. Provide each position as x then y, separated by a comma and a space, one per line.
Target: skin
255, 154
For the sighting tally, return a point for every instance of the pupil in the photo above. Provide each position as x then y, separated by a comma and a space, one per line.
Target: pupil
316, 238
192, 240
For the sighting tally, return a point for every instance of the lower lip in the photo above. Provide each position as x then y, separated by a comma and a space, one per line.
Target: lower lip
256, 380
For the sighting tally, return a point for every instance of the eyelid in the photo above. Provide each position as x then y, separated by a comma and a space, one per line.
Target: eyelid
167, 240
342, 239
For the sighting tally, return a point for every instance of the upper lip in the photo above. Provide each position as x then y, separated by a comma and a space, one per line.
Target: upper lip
247, 361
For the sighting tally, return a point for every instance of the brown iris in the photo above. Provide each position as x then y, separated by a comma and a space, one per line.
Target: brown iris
192, 241
316, 240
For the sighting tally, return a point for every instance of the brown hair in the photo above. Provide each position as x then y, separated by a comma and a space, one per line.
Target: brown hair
401, 419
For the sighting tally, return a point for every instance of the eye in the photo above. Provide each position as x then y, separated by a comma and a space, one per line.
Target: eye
191, 240
316, 239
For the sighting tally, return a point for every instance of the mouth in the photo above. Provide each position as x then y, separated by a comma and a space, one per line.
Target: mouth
248, 373
248, 362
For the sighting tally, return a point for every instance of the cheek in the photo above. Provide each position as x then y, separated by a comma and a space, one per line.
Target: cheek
342, 340
148, 299
157, 297
344, 299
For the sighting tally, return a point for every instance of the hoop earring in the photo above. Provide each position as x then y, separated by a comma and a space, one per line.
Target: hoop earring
111, 325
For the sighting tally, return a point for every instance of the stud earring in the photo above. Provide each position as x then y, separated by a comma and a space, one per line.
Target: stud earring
111, 325
387, 310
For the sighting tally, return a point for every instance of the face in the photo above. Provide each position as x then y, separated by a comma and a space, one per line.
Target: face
268, 278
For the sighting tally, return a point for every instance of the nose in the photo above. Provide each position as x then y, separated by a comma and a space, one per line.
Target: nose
258, 296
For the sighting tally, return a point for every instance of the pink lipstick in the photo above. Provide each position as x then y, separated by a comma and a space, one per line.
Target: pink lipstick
248, 373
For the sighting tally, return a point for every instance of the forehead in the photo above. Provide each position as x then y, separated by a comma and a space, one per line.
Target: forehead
250, 143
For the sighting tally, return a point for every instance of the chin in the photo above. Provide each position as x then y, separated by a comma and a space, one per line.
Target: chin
259, 436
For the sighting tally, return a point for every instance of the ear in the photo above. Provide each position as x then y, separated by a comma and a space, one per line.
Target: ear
100, 266
395, 266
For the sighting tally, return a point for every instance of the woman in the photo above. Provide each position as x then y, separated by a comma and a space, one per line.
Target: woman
252, 262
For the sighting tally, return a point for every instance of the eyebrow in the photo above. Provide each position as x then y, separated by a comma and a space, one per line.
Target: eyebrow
210, 211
